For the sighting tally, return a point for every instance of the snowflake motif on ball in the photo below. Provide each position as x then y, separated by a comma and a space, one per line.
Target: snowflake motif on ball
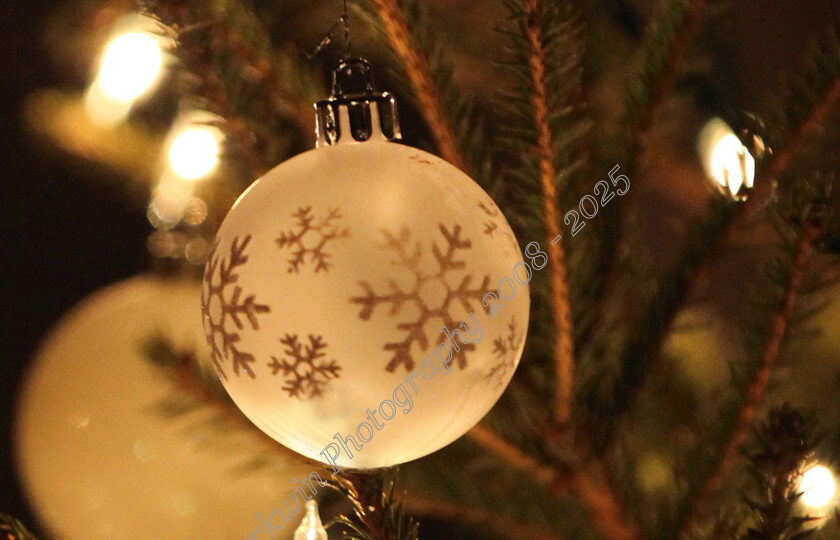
309, 238
306, 371
491, 225
504, 349
411, 259
226, 309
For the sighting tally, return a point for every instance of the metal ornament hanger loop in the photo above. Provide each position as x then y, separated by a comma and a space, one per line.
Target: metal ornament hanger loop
355, 112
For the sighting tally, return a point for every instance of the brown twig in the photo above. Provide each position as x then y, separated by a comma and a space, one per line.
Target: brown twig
591, 483
419, 76
469, 515
515, 457
758, 198
563, 346
806, 128
589, 480
185, 376
694, 15
757, 388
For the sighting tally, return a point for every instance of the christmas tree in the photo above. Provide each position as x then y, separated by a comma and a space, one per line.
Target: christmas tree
677, 370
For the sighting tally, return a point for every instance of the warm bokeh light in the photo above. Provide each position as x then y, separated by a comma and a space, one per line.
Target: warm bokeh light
102, 109
194, 152
817, 485
130, 65
726, 159
169, 202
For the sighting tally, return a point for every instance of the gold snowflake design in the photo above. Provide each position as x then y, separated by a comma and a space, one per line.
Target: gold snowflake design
305, 369
309, 237
227, 310
504, 349
410, 258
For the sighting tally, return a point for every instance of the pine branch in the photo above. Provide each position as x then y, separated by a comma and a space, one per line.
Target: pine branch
653, 318
807, 113
757, 388
663, 51
786, 441
378, 513
13, 529
589, 480
516, 458
227, 57
185, 371
478, 517
808, 109
563, 346
418, 71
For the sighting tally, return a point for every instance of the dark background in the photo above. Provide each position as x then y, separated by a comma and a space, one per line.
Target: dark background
66, 229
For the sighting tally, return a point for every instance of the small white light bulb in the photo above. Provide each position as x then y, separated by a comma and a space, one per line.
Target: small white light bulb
725, 158
130, 65
817, 486
732, 165
311, 528
194, 152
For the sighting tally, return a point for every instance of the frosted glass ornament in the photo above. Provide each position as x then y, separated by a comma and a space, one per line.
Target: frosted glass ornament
96, 458
365, 302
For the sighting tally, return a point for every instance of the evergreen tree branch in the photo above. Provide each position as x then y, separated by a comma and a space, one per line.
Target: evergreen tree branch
563, 345
803, 131
654, 317
785, 443
589, 480
13, 529
807, 111
782, 159
379, 514
468, 515
418, 71
663, 52
757, 388
515, 457
230, 67
185, 371
721, 221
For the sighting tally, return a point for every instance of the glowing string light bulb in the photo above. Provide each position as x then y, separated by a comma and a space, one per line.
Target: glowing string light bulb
311, 528
130, 65
194, 152
817, 486
726, 160
732, 165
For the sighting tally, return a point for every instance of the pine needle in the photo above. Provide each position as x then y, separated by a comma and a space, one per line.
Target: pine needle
418, 71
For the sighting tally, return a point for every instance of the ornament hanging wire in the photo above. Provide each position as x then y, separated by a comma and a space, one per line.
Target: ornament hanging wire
343, 22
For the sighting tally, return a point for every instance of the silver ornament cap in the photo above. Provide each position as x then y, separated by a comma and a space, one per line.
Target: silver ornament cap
355, 112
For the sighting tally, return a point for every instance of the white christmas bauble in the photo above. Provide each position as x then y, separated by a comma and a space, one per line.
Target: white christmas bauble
97, 458
366, 303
